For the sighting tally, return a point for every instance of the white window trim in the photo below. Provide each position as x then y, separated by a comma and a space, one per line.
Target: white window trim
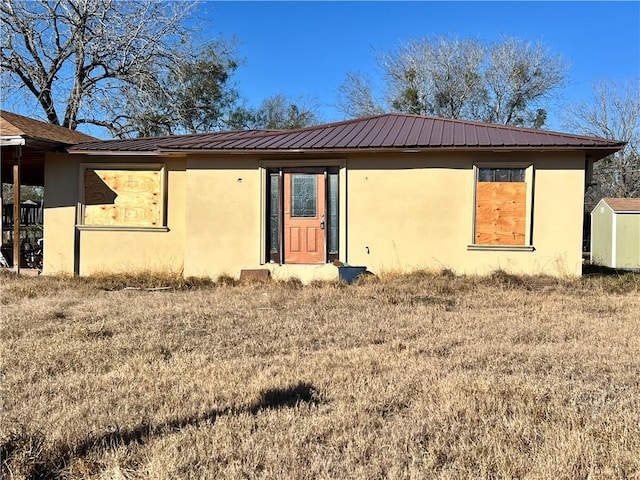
80, 225
529, 177
121, 228
614, 240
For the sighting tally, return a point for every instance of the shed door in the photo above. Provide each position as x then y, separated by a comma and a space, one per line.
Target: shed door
304, 218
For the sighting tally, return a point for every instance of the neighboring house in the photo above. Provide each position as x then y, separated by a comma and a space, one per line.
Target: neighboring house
615, 233
392, 193
24, 144
34, 138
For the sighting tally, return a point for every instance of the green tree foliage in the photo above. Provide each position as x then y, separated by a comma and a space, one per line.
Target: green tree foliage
126, 65
27, 192
503, 82
276, 112
196, 95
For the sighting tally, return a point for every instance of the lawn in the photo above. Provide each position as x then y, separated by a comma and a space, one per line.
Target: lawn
426, 375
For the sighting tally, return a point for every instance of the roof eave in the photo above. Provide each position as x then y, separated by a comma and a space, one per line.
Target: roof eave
11, 140
599, 152
32, 142
594, 153
129, 153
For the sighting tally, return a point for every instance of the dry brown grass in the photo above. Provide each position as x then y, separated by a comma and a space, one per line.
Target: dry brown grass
412, 376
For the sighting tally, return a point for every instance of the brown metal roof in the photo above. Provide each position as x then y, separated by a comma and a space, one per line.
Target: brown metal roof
385, 132
623, 204
151, 144
12, 124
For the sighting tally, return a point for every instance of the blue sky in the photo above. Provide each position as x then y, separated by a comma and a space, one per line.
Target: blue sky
306, 48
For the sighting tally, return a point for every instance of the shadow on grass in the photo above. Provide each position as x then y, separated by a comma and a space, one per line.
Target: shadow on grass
600, 270
275, 398
50, 465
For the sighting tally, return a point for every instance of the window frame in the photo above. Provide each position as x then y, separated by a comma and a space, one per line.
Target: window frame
529, 179
160, 167
329, 167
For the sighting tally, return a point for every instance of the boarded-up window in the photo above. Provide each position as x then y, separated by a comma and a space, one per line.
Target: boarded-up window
501, 199
123, 197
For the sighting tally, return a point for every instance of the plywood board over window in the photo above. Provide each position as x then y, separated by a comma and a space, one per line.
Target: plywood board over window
501, 213
123, 197
502, 207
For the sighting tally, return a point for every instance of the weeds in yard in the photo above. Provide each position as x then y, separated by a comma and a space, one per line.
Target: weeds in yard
426, 375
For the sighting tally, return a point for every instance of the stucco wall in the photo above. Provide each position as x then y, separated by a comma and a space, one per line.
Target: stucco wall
60, 201
222, 216
87, 251
225, 225
403, 212
558, 213
420, 215
410, 216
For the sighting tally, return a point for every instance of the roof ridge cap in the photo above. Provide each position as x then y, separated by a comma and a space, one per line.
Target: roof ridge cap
45, 125
464, 122
500, 126
3, 111
285, 131
614, 203
183, 135
262, 132
620, 198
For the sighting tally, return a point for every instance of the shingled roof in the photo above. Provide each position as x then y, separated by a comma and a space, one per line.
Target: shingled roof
34, 138
14, 125
623, 204
379, 133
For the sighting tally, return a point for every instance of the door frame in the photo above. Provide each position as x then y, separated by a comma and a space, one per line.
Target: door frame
320, 176
268, 168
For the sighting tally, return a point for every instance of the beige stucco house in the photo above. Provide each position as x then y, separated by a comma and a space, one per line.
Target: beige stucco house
392, 193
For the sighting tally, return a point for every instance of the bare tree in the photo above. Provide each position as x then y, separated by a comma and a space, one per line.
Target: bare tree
504, 82
195, 95
355, 97
436, 77
279, 112
613, 113
80, 58
520, 74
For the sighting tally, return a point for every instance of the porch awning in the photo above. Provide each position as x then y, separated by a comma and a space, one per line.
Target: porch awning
34, 138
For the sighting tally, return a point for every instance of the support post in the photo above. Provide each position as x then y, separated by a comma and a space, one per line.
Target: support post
1, 206
17, 155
